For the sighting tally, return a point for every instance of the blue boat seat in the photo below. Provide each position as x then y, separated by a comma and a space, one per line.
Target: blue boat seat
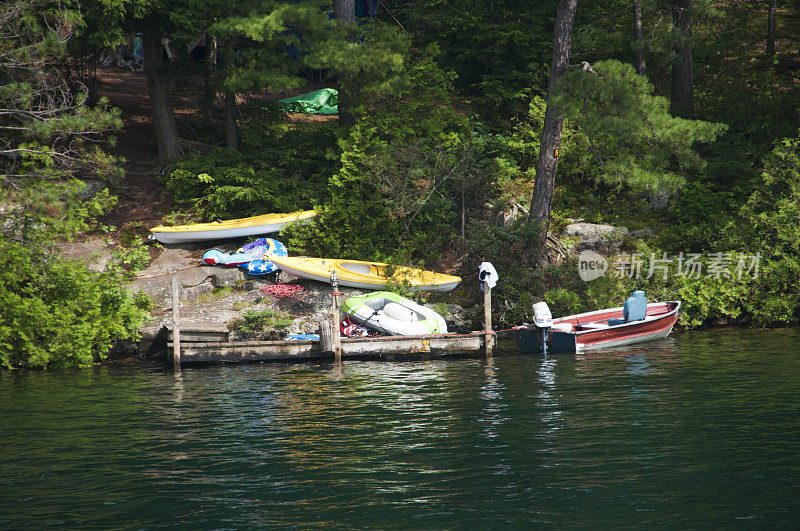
634, 309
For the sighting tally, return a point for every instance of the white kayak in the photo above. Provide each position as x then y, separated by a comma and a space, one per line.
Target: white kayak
232, 228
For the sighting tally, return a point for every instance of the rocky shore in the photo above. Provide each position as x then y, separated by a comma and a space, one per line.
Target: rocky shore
219, 295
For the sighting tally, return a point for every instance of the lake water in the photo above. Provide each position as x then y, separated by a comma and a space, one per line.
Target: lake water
699, 430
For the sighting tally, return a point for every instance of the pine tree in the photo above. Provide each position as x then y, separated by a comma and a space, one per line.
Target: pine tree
625, 134
682, 88
553, 119
267, 43
55, 312
50, 135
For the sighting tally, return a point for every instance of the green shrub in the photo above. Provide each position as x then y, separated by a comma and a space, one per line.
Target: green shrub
562, 302
57, 313
262, 324
287, 171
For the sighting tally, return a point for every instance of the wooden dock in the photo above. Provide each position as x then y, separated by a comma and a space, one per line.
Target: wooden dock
202, 344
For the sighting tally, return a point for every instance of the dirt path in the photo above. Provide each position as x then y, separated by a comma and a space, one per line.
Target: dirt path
140, 193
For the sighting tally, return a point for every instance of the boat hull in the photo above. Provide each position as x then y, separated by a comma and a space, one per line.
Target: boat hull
588, 332
235, 228
365, 275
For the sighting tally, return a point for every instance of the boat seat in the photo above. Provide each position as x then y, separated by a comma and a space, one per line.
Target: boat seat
594, 326
399, 312
634, 309
359, 269
561, 327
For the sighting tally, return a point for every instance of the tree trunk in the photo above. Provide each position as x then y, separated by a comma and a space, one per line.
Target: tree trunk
553, 118
163, 117
638, 39
345, 13
345, 103
682, 100
231, 131
771, 29
209, 83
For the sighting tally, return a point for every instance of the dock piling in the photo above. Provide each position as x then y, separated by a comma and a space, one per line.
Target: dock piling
337, 335
327, 343
487, 320
488, 277
176, 333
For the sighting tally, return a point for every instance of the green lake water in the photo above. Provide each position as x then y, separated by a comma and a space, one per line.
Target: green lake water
701, 430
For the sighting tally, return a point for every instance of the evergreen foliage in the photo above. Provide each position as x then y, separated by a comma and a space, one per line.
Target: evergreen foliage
267, 41
54, 312
409, 170
498, 49
282, 168
625, 134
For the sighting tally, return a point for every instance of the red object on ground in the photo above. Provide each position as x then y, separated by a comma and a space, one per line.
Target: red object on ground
285, 290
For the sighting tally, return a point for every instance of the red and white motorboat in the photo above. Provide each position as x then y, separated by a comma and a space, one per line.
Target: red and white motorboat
611, 327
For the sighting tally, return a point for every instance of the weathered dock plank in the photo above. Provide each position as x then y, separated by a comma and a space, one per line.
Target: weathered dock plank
352, 348
197, 332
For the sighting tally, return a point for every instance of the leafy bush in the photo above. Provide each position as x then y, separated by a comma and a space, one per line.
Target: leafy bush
264, 324
562, 302
410, 171
772, 214
57, 313
287, 171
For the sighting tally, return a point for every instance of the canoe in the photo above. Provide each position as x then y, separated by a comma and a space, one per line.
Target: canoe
365, 275
232, 228
392, 314
592, 330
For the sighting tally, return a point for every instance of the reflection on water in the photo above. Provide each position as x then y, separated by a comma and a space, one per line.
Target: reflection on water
697, 430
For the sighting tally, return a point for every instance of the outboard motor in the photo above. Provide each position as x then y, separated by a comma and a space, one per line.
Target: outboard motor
543, 320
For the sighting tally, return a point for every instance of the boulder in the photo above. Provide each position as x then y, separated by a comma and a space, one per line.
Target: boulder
227, 276
194, 282
592, 236
171, 260
192, 293
462, 320
657, 199
94, 252
93, 187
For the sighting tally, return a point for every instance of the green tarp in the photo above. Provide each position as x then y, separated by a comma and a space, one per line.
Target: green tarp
323, 101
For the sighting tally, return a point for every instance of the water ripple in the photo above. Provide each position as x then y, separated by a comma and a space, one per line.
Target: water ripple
700, 430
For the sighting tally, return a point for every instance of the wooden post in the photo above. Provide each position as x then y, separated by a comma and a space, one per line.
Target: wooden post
337, 335
176, 331
487, 320
327, 343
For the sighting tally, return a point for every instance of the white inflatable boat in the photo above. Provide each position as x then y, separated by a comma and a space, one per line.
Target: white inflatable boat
392, 314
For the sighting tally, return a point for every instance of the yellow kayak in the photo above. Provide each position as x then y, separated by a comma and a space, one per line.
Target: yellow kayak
365, 275
232, 228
